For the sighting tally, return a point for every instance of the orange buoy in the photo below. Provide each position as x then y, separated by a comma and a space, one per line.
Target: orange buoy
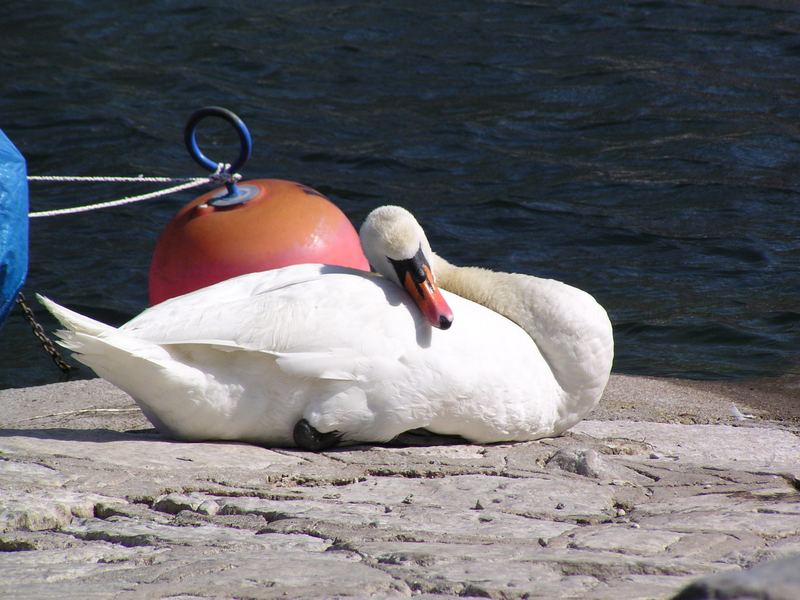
274, 223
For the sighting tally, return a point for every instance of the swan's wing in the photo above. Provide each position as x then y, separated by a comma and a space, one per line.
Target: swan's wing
336, 364
339, 364
179, 318
316, 321
252, 311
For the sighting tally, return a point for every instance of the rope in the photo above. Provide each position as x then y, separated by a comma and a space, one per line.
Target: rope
219, 176
95, 179
120, 202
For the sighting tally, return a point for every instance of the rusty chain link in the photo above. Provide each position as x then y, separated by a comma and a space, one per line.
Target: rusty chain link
46, 342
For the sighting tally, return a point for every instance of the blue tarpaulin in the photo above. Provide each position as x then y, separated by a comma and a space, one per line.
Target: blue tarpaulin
13, 224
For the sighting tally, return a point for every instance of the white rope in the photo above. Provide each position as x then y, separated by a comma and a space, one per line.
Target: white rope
219, 176
95, 179
120, 202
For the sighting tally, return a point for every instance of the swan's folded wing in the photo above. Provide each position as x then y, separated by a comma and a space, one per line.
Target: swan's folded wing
267, 310
336, 364
340, 364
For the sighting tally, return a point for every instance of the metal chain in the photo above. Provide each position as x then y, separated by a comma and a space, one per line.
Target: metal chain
46, 342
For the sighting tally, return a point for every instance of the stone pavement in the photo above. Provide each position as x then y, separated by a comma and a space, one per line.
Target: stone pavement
663, 485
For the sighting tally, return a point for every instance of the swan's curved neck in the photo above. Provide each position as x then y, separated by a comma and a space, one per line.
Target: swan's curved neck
571, 330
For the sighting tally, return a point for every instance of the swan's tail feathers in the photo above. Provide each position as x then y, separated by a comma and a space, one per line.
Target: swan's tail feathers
108, 351
139, 367
74, 322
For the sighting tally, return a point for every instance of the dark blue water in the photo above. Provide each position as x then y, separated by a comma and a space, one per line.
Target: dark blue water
648, 153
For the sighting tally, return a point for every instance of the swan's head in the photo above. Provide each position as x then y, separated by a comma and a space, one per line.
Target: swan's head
396, 247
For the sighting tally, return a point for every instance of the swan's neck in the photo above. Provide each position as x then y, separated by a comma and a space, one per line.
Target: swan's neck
571, 330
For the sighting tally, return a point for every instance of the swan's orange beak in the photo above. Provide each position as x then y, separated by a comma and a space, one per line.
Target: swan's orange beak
428, 297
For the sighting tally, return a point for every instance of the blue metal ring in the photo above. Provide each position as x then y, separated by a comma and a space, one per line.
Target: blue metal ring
190, 137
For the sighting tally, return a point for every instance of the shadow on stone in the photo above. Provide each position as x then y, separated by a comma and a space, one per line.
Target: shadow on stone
773, 580
86, 435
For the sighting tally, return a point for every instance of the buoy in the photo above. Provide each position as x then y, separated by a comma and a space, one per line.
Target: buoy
247, 226
283, 223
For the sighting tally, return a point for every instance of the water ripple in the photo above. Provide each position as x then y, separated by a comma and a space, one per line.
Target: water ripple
648, 152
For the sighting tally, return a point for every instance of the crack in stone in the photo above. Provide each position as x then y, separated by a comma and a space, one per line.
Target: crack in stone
291, 454
643, 471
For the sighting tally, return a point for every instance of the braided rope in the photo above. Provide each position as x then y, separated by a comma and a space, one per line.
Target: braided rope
95, 179
220, 176
120, 202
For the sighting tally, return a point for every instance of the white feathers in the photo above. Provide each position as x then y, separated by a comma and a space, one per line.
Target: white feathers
391, 231
348, 351
74, 322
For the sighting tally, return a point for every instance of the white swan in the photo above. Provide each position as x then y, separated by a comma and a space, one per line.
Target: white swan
311, 355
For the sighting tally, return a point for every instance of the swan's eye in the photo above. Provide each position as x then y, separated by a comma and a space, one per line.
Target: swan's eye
417, 273
414, 266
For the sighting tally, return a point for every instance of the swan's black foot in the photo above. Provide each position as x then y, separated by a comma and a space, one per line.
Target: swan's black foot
308, 438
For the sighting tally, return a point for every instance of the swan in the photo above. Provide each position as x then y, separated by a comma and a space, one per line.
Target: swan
315, 355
